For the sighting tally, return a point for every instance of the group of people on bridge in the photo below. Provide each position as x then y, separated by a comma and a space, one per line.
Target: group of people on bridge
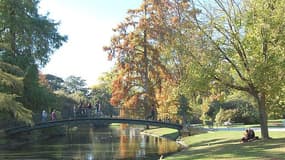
87, 110
45, 115
78, 111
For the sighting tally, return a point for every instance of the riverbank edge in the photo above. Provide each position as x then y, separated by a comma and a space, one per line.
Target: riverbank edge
162, 134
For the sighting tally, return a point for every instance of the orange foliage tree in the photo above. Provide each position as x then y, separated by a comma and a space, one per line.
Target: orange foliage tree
146, 64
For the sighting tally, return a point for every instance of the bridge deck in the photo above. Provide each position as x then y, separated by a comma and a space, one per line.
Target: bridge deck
49, 124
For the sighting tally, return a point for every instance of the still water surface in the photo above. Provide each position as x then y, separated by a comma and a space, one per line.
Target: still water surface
89, 143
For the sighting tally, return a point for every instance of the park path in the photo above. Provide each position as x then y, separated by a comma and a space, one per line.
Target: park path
281, 129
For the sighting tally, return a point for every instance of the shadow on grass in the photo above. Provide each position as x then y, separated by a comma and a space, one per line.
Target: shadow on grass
214, 142
269, 144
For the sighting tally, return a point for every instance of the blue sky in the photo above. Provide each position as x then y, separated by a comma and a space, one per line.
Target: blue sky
88, 25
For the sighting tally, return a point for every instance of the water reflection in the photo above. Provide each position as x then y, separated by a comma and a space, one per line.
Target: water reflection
96, 143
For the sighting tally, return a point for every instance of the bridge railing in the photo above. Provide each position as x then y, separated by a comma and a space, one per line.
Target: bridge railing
94, 113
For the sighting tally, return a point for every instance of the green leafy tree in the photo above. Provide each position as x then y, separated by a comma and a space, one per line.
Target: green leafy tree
74, 84
54, 83
224, 115
184, 109
244, 111
29, 38
243, 49
36, 96
102, 93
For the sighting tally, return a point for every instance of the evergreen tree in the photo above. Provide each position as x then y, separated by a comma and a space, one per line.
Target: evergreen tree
11, 90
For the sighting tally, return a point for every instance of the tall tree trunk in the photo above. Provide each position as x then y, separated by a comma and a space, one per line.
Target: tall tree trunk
146, 79
262, 115
147, 102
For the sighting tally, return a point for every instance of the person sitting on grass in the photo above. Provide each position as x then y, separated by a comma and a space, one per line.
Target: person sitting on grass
249, 135
245, 138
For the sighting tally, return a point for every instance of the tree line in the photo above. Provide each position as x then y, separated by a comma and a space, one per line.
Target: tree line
193, 60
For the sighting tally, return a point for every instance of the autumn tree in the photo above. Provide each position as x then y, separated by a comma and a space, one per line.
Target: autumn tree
143, 76
138, 67
245, 49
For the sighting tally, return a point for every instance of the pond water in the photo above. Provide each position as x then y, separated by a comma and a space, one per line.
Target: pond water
91, 143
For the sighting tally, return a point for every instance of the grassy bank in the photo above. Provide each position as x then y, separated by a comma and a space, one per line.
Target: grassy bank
225, 145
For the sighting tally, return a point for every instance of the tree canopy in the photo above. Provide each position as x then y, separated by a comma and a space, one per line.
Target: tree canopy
246, 51
27, 37
201, 49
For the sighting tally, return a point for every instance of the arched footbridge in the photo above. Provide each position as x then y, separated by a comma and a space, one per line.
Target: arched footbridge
97, 120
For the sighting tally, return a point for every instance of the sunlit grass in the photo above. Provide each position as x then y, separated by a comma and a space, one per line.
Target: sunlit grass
163, 132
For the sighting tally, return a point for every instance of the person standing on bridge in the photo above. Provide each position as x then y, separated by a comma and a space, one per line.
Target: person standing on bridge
74, 111
152, 115
44, 116
89, 108
53, 115
97, 105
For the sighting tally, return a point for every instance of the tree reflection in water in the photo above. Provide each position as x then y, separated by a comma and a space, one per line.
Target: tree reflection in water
114, 142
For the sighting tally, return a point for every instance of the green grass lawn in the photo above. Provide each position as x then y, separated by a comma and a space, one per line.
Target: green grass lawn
225, 145
163, 132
